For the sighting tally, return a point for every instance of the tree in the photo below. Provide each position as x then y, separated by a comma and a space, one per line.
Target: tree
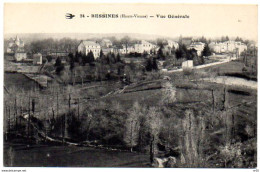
168, 93
78, 57
145, 54
59, 66
128, 73
72, 61
118, 57
112, 58
181, 52
84, 59
149, 65
238, 39
153, 119
173, 50
49, 58
206, 51
227, 38
59, 69
154, 64
72, 66
232, 154
125, 41
160, 54
74, 126
191, 54
132, 126
58, 62
90, 57
202, 39
101, 53
189, 148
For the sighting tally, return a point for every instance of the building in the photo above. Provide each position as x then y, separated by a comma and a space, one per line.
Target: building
144, 46
141, 47
127, 50
107, 50
199, 46
19, 56
187, 64
187, 41
58, 53
86, 46
228, 47
173, 44
37, 59
106, 43
15, 45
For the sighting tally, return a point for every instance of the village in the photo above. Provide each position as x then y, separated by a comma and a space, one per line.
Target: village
136, 98
31, 62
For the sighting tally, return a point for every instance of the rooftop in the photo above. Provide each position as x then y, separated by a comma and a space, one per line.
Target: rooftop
87, 43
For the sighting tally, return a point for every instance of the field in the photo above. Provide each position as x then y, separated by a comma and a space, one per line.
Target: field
72, 156
19, 81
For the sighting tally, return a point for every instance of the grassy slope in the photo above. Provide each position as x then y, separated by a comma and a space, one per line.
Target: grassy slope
72, 156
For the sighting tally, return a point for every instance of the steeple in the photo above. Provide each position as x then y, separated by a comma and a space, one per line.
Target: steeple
17, 38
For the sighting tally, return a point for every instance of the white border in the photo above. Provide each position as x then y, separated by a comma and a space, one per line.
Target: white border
112, 1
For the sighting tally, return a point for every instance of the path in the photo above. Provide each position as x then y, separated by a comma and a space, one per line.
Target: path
202, 66
227, 80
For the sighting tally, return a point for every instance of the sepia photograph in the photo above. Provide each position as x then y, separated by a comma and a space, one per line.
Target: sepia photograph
130, 85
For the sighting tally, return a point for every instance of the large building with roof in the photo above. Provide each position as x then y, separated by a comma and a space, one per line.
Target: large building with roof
86, 46
228, 46
141, 47
144, 46
173, 44
187, 41
127, 49
106, 43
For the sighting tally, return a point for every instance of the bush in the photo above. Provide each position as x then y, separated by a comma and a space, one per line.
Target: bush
187, 71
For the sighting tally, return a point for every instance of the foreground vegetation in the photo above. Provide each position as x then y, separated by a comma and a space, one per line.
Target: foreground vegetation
200, 124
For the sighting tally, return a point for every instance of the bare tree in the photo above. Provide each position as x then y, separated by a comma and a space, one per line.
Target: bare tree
168, 93
193, 131
132, 126
153, 119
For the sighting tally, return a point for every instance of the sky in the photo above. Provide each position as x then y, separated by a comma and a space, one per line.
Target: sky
204, 20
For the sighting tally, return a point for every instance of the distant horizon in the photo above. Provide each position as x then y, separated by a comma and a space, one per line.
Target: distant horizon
116, 35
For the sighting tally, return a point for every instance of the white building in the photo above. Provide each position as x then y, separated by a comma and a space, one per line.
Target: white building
106, 43
144, 46
37, 59
19, 56
228, 46
86, 46
199, 46
173, 44
127, 50
187, 64
141, 47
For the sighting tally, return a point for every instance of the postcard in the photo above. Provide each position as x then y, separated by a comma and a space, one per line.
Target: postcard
130, 85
